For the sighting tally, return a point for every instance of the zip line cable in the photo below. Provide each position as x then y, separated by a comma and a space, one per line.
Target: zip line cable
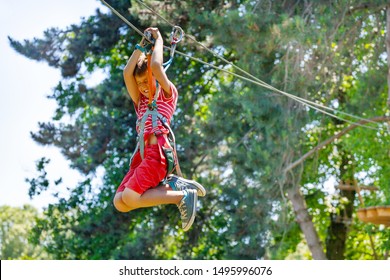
297, 98
125, 20
257, 81
253, 79
264, 84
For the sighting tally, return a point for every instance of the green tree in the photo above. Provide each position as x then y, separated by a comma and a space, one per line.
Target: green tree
101, 133
246, 143
294, 55
16, 225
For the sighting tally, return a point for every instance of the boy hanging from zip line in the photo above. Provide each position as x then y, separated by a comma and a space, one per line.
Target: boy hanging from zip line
149, 181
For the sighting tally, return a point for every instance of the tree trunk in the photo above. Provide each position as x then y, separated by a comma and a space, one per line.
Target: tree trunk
306, 224
388, 52
339, 223
338, 229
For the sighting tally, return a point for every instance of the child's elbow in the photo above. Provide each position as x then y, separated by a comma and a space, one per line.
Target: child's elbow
129, 68
127, 72
155, 66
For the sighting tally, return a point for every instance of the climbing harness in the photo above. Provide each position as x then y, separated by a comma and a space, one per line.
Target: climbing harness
168, 147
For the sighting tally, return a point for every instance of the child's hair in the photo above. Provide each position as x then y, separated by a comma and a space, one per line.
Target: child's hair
142, 66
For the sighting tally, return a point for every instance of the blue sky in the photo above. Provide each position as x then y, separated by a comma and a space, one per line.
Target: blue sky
24, 85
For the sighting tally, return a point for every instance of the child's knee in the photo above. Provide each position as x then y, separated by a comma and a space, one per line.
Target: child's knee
119, 204
131, 199
121, 207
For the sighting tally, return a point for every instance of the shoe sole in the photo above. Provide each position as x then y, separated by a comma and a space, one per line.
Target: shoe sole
189, 224
201, 191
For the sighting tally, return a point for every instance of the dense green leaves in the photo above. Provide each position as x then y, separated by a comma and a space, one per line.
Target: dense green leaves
15, 226
234, 137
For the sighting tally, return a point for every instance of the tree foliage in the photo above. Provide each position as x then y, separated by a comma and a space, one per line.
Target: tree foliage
235, 137
15, 228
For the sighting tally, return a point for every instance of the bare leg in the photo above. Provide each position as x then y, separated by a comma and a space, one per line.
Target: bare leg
129, 200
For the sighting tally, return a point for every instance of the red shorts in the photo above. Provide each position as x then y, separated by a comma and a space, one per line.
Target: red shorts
147, 173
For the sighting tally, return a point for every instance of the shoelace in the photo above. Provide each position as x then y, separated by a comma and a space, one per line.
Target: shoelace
178, 184
181, 184
183, 210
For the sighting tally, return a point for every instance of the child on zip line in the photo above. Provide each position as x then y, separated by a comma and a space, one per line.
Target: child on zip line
144, 185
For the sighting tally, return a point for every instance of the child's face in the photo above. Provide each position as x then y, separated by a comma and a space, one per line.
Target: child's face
142, 83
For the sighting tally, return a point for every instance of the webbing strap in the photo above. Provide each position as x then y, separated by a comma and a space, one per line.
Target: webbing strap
173, 140
155, 115
154, 120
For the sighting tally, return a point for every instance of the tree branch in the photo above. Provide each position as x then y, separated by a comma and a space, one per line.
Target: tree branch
334, 137
367, 6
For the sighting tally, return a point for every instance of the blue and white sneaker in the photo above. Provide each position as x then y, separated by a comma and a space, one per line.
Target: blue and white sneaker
180, 184
187, 208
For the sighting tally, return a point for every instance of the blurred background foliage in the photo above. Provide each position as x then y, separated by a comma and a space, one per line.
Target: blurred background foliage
234, 137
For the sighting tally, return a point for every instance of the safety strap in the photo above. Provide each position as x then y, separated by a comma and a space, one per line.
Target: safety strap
155, 116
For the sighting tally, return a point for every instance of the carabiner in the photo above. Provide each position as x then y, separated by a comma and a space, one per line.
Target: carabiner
149, 37
176, 34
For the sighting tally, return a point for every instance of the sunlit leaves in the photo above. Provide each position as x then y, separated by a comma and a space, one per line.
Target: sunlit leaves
234, 137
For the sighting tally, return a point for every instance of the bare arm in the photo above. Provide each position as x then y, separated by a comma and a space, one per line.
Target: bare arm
157, 62
131, 84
